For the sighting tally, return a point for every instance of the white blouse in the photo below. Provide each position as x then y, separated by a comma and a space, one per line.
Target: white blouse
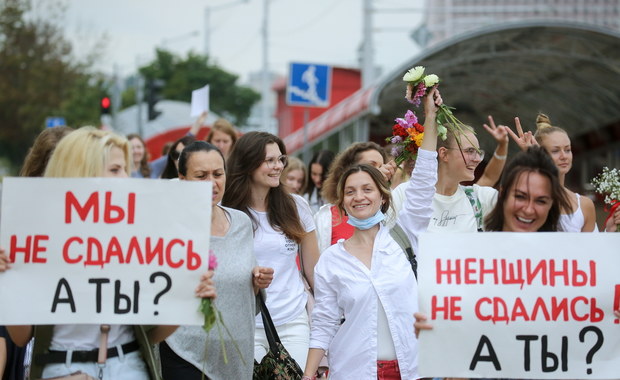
345, 286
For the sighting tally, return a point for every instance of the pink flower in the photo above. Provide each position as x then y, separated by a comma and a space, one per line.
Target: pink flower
212, 260
408, 121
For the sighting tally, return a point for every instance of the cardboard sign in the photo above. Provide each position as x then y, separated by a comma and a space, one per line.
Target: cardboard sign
200, 101
520, 305
100, 250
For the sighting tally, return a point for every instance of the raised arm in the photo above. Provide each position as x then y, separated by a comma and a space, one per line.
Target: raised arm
420, 189
193, 131
494, 168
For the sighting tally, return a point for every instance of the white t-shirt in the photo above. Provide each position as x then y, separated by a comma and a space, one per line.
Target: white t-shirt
455, 213
286, 297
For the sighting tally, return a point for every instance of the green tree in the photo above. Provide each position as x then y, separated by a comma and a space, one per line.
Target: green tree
181, 76
39, 77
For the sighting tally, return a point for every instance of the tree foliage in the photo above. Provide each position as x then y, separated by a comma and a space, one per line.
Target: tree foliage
39, 77
181, 76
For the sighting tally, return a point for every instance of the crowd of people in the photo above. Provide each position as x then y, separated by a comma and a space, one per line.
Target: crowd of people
326, 244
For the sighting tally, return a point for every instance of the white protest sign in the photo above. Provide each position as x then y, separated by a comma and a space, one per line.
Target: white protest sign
200, 101
101, 250
519, 305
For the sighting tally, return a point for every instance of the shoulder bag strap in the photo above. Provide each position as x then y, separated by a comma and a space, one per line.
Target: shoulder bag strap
401, 238
103, 349
270, 329
475, 205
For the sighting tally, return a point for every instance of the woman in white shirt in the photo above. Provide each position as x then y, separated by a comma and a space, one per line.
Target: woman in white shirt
367, 277
283, 226
457, 208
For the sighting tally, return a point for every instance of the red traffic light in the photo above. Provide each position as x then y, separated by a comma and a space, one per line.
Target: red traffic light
105, 105
105, 102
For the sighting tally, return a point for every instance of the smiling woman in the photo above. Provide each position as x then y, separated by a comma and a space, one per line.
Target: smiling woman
283, 227
530, 197
367, 278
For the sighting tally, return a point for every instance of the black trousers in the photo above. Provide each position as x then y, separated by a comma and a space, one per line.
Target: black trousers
174, 367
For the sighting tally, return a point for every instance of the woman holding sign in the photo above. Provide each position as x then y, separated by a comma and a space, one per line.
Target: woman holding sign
283, 226
530, 199
368, 279
64, 349
191, 353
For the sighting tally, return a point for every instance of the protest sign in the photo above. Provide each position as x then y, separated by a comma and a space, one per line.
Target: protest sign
200, 101
102, 250
519, 305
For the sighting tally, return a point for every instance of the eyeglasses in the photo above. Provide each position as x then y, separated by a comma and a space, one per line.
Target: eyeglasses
271, 162
471, 153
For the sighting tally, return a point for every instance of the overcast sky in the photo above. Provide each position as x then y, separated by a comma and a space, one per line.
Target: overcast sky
318, 31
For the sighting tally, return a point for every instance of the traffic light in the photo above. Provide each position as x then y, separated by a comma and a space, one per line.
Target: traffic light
105, 105
153, 89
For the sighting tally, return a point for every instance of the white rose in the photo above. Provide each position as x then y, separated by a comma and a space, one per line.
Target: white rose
431, 80
414, 75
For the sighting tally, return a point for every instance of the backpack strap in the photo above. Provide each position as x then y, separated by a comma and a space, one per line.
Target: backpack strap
475, 205
401, 238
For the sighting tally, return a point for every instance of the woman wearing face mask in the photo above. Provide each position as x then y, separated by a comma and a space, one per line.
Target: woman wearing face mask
191, 353
283, 226
367, 277
580, 216
89, 152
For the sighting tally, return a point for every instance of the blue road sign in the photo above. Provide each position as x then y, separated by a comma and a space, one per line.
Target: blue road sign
309, 85
54, 121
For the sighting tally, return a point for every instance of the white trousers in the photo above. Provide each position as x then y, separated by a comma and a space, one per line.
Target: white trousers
295, 337
123, 367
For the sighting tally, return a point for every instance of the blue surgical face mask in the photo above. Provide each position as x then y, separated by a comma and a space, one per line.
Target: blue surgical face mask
365, 224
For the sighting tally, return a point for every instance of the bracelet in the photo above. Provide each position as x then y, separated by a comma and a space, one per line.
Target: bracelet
308, 378
499, 157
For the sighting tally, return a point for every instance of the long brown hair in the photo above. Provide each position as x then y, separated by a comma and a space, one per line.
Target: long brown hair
247, 155
41, 151
144, 168
534, 160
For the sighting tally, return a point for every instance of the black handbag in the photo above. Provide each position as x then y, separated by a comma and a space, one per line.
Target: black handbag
278, 364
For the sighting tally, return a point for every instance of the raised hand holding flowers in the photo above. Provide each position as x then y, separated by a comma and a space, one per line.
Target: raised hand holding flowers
417, 86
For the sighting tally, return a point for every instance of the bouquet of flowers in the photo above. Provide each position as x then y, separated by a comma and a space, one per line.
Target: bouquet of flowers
407, 135
607, 183
213, 317
417, 86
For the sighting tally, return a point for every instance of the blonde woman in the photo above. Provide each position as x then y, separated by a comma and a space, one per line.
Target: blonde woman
293, 177
89, 152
